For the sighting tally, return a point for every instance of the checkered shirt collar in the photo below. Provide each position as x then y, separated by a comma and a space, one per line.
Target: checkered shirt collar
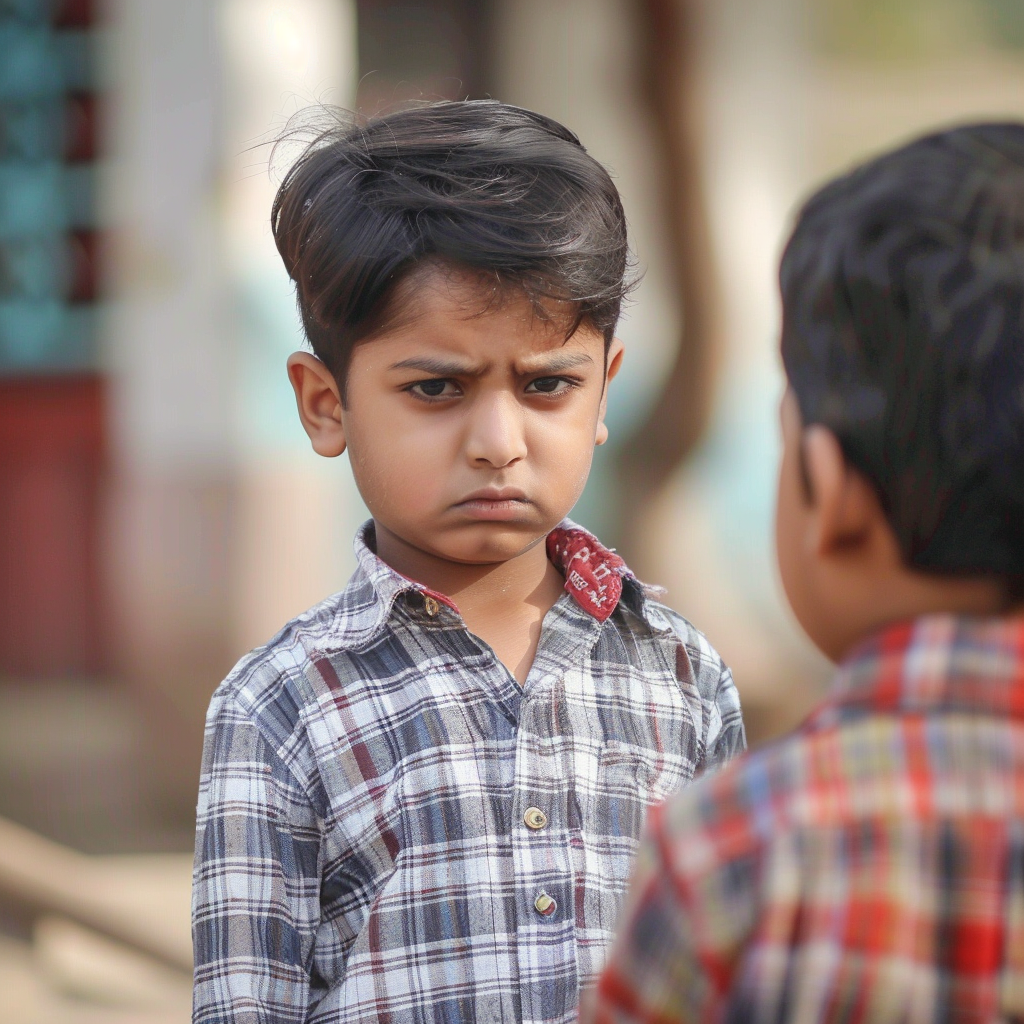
936, 663
596, 578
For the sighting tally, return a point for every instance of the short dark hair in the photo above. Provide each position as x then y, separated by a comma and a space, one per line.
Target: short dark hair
501, 190
903, 332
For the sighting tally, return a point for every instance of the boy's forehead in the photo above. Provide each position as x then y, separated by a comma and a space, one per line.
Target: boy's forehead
437, 301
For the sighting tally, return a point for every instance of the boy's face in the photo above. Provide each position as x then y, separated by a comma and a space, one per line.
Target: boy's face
471, 429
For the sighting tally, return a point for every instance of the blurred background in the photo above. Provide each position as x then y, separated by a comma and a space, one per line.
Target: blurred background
160, 509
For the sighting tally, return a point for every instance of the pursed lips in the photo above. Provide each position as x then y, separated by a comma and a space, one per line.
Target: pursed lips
496, 503
496, 494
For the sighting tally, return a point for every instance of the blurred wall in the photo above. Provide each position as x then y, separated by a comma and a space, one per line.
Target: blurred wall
797, 91
169, 356
296, 512
714, 518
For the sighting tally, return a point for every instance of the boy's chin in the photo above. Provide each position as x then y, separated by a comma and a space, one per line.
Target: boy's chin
490, 543
466, 543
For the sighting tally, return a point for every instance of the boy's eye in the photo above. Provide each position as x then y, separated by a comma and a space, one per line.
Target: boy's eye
438, 387
550, 385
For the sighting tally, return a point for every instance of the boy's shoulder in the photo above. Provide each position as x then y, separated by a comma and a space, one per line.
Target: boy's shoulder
272, 684
921, 735
698, 669
345, 621
277, 683
853, 758
587, 565
703, 659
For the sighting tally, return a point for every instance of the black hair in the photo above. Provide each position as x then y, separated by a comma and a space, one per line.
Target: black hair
477, 184
903, 332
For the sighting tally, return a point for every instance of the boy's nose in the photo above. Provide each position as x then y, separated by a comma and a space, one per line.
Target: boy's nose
497, 434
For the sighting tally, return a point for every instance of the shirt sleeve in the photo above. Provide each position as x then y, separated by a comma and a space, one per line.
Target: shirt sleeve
707, 680
255, 896
726, 735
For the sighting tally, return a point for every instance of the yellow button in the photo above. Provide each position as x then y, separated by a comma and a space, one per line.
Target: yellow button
545, 905
535, 818
432, 606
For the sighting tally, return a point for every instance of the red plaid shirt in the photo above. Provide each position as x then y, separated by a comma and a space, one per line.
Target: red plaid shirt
869, 868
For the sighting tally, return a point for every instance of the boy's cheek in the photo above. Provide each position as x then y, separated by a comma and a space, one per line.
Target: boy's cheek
811, 605
791, 586
783, 557
794, 571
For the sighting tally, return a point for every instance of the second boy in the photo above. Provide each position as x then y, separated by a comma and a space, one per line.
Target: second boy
869, 868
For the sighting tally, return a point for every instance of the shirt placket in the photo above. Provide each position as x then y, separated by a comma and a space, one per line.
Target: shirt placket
541, 840
541, 864
540, 814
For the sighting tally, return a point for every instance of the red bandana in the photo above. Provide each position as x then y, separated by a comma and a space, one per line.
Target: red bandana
593, 574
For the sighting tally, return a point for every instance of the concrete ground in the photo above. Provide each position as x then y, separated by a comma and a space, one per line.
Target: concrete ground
77, 765
56, 972
74, 768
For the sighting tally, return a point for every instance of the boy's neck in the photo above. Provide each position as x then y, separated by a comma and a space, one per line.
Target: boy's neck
909, 594
503, 603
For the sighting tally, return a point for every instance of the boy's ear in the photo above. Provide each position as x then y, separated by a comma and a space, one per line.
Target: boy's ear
319, 403
613, 363
847, 513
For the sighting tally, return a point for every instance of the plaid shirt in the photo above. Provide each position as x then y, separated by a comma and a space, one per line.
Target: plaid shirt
390, 828
869, 868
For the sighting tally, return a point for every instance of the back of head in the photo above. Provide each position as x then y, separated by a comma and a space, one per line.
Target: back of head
479, 184
903, 332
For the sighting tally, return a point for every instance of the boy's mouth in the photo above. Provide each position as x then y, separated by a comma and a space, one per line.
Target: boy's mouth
494, 503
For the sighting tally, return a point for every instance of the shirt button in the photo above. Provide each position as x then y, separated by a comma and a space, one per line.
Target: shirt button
545, 905
431, 606
535, 818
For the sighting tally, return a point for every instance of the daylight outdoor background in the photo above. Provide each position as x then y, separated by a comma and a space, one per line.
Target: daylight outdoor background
160, 509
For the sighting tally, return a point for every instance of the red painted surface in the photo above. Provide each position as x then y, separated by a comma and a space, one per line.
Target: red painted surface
84, 266
73, 13
81, 127
52, 460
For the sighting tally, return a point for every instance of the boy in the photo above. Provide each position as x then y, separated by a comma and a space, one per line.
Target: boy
421, 800
870, 868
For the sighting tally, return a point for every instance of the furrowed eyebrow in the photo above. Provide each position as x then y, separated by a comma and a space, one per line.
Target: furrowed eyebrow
556, 363
438, 367
559, 363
